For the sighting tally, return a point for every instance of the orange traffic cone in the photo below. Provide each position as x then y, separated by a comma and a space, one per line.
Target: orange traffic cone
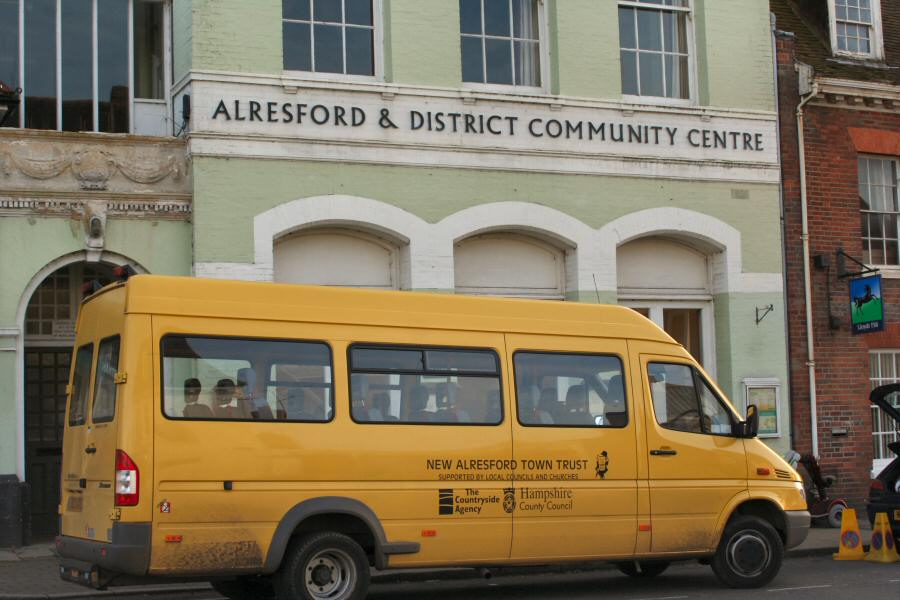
851, 542
883, 548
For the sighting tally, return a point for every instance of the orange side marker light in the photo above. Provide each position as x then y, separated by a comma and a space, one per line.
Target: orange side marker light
644, 527
764, 471
429, 533
171, 538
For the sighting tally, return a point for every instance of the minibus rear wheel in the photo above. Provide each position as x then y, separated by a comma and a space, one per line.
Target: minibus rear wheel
749, 554
323, 565
642, 568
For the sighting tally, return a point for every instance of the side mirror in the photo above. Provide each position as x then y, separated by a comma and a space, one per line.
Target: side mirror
750, 426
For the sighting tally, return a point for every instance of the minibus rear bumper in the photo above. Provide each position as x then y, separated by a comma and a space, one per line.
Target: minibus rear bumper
796, 527
94, 563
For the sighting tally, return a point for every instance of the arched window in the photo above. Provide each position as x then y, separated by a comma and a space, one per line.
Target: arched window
509, 264
341, 257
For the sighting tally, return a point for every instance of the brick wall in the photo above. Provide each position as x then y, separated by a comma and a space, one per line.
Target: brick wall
842, 359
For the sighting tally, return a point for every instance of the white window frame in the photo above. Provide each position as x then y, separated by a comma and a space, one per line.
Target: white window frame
893, 269
876, 41
543, 52
764, 383
691, 100
167, 59
377, 53
656, 306
880, 463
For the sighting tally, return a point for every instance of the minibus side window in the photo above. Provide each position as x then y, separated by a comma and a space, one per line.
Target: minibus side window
717, 419
238, 379
416, 386
105, 381
570, 390
675, 400
81, 385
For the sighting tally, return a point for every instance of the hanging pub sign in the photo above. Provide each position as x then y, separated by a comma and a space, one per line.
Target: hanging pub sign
866, 307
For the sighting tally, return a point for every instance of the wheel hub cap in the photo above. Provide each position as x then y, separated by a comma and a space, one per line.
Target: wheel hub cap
748, 554
330, 575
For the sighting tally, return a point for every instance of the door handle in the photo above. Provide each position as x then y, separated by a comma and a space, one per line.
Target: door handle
91, 449
663, 452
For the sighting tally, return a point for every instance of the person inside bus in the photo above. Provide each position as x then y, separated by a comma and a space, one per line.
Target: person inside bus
223, 395
418, 400
252, 405
193, 408
448, 403
382, 402
577, 407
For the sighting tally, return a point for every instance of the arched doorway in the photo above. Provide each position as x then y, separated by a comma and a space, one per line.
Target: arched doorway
49, 334
669, 281
509, 264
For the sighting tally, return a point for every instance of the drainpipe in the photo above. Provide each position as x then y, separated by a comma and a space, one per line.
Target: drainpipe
807, 278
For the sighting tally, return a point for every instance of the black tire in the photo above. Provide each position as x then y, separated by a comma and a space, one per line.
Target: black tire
323, 565
749, 554
642, 568
245, 588
835, 516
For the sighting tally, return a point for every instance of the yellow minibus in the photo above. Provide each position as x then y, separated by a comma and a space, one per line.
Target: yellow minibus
282, 441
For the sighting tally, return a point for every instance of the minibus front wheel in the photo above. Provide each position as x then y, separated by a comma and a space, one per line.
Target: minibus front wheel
323, 565
749, 554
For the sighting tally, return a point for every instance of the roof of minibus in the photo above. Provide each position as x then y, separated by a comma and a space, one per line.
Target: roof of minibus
196, 297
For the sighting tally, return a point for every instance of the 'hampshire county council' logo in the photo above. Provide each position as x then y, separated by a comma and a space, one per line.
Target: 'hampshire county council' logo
509, 499
602, 466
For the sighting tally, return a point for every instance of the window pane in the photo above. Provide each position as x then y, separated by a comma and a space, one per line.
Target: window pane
9, 49
77, 64
674, 397
649, 32
112, 65
570, 390
297, 46
716, 418
105, 381
528, 63
329, 52
359, 12
40, 64
261, 380
629, 73
295, 9
499, 61
424, 399
149, 58
81, 384
496, 17
327, 10
525, 19
676, 76
627, 36
651, 73
450, 360
472, 60
386, 359
470, 16
359, 51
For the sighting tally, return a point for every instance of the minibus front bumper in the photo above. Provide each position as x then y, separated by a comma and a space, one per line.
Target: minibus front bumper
93, 563
797, 524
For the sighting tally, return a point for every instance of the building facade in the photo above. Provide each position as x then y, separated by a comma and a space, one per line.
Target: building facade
620, 151
838, 64
90, 177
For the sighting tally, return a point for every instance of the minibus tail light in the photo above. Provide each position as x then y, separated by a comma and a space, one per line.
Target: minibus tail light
876, 488
127, 480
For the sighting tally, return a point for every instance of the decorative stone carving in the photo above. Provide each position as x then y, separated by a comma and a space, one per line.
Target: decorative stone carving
141, 171
38, 160
93, 168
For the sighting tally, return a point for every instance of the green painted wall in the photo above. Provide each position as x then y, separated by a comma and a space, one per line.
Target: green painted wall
423, 49
243, 188
588, 44
745, 349
182, 38
734, 54
8, 440
237, 35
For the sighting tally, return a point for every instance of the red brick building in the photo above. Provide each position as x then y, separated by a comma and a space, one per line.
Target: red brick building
839, 92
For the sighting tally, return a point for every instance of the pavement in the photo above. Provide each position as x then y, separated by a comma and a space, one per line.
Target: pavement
30, 573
